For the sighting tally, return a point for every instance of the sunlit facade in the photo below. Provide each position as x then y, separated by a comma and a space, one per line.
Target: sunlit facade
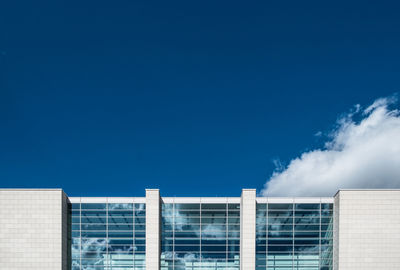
47, 230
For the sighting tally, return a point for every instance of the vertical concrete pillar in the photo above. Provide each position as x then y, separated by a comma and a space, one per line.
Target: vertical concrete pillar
248, 229
153, 229
336, 212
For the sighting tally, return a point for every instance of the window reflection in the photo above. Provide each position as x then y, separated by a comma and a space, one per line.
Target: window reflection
202, 236
107, 236
294, 236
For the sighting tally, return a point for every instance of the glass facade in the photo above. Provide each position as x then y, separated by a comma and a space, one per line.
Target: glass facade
200, 236
107, 236
294, 236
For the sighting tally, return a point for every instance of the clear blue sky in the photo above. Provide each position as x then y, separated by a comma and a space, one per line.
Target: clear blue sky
197, 98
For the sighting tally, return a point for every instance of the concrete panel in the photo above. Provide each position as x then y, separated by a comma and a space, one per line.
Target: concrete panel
32, 230
368, 230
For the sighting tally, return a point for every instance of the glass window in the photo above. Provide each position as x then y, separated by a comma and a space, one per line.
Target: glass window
234, 206
214, 207
74, 206
200, 236
294, 235
308, 206
120, 206
280, 206
93, 206
105, 235
187, 206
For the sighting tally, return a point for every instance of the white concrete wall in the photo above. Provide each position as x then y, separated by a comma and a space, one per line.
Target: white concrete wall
31, 230
368, 230
248, 230
153, 232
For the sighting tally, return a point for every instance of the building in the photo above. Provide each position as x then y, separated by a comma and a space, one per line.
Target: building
45, 229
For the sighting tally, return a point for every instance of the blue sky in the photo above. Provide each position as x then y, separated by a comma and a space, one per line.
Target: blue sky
107, 98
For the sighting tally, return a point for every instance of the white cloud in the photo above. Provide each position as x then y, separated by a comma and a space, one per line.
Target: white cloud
359, 154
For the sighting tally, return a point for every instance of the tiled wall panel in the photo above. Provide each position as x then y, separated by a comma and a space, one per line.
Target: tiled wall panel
368, 225
31, 230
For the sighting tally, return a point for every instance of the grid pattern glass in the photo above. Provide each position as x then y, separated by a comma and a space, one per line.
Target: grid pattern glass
294, 236
200, 236
107, 236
